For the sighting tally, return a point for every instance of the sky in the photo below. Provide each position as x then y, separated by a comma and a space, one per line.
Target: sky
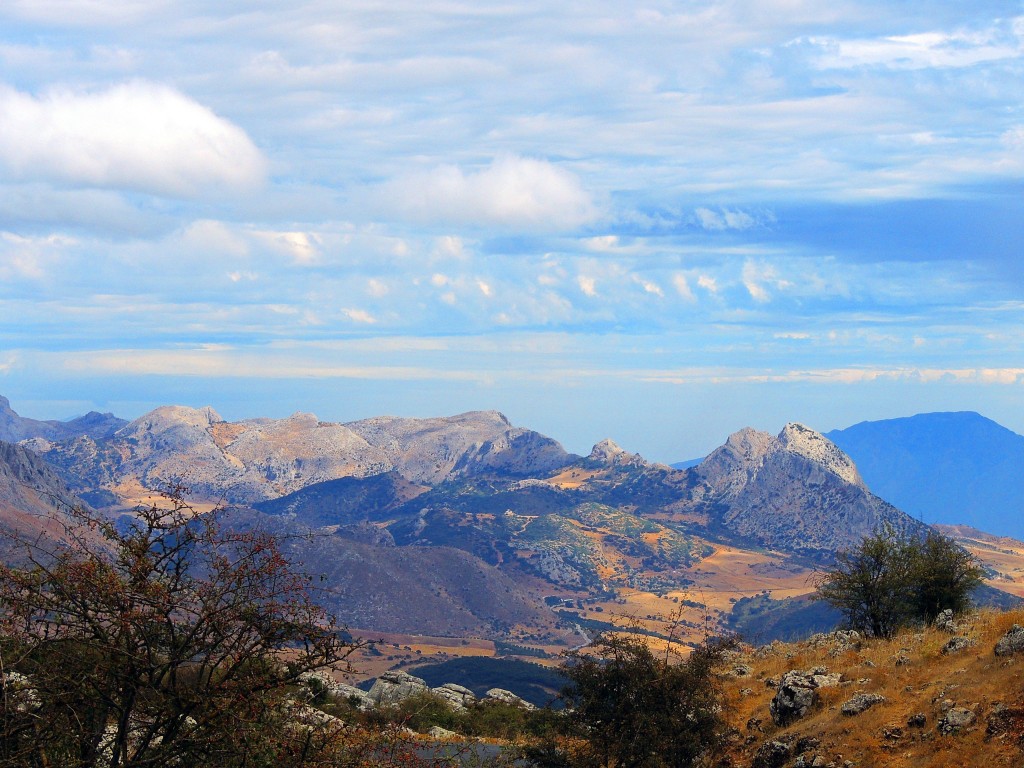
657, 222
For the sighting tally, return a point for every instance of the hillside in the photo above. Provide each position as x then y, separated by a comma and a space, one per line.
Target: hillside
950, 468
33, 500
925, 690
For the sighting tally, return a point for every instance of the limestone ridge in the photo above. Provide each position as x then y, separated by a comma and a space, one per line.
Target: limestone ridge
796, 491
259, 459
798, 439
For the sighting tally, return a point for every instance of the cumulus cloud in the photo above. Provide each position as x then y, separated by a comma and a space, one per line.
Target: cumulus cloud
512, 191
138, 136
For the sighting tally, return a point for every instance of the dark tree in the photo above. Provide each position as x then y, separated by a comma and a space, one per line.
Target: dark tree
868, 583
942, 577
892, 579
635, 708
169, 640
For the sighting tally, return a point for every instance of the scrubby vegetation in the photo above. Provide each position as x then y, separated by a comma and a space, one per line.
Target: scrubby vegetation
896, 578
165, 640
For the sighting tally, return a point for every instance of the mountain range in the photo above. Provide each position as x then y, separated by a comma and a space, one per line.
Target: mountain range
469, 526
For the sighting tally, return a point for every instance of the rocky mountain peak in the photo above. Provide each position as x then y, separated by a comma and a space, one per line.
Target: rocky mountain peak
171, 416
609, 452
606, 450
805, 442
730, 467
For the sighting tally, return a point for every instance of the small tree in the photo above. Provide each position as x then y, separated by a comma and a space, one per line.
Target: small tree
893, 578
868, 583
942, 577
639, 709
168, 640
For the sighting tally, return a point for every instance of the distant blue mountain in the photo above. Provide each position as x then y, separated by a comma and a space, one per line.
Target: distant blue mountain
955, 468
687, 464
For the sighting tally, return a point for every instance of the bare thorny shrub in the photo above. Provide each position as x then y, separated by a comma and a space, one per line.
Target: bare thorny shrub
166, 640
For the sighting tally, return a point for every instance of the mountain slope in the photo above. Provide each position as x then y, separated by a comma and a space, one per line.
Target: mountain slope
438, 591
952, 468
33, 499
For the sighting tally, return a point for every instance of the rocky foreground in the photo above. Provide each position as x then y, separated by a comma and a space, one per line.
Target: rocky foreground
950, 694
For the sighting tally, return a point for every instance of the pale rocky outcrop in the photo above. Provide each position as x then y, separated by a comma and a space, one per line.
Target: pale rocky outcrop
442, 734
456, 696
796, 491
322, 684
507, 697
956, 644
395, 686
945, 621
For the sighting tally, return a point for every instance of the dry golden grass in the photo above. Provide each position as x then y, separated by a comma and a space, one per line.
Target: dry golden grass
974, 679
1003, 555
573, 477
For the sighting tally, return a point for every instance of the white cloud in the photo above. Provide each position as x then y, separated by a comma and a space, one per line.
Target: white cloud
301, 247
214, 236
512, 191
682, 286
29, 258
708, 283
449, 247
137, 136
588, 285
85, 12
724, 219
757, 277
359, 316
648, 286
961, 48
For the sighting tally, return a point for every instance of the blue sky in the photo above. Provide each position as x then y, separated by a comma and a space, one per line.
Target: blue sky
658, 222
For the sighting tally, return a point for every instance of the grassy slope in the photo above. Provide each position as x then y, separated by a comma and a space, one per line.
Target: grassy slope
974, 678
